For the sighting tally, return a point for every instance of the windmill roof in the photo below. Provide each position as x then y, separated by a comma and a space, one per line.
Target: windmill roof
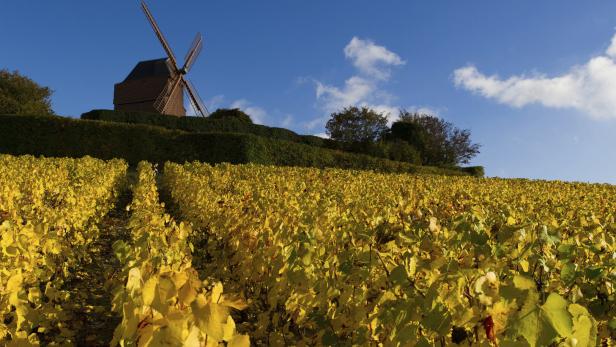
150, 68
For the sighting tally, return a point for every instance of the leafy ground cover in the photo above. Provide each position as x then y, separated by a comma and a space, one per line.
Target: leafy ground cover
342, 257
92, 255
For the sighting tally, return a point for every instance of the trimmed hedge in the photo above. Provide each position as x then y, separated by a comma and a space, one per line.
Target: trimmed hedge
202, 125
54, 136
233, 113
285, 153
65, 137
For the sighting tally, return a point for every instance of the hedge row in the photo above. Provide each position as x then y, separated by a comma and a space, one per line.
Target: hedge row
202, 125
235, 125
60, 137
54, 136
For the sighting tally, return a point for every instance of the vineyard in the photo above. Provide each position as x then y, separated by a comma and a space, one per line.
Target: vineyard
340, 257
49, 213
239, 255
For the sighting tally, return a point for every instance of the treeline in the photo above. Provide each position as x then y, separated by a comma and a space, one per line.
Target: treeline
420, 139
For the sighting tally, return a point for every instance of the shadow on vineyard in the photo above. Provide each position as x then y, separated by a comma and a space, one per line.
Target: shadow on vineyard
94, 321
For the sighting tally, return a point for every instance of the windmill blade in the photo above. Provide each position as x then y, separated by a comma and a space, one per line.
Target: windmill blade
193, 52
159, 34
195, 100
164, 98
193, 105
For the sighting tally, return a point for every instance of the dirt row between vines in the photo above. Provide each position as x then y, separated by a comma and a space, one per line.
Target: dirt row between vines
92, 287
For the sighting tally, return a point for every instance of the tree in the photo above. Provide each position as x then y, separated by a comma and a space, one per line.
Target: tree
438, 141
353, 124
22, 96
235, 113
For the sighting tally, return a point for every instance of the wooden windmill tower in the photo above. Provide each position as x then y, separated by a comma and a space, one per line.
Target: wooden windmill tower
159, 85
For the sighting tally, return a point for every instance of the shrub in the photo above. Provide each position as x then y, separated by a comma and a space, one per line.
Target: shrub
402, 151
477, 171
234, 113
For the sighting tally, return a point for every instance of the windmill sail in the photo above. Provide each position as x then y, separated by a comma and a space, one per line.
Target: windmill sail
159, 85
195, 99
159, 34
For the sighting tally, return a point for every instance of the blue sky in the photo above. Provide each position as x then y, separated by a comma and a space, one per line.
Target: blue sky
535, 82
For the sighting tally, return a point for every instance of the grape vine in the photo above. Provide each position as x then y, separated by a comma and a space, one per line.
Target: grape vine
49, 212
339, 257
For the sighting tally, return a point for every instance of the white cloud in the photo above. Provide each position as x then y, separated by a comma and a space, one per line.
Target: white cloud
371, 59
365, 88
215, 102
211, 104
313, 123
356, 90
611, 50
257, 114
391, 112
287, 121
589, 88
321, 135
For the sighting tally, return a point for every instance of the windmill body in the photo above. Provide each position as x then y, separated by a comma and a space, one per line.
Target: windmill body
159, 85
142, 87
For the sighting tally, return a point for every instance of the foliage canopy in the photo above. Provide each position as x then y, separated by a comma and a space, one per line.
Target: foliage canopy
438, 141
354, 124
22, 96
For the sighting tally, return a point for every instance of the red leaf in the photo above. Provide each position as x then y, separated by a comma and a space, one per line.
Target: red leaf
488, 325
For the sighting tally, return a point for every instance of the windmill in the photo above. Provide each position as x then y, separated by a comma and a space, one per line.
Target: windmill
159, 85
